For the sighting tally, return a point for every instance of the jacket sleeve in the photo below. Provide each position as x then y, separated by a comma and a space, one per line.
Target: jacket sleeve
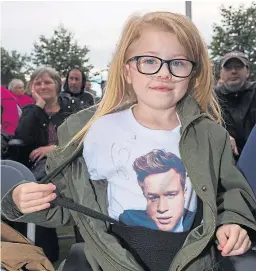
10, 116
236, 203
53, 217
30, 124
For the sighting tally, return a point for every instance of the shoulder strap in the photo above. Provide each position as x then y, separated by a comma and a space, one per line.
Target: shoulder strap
57, 170
67, 202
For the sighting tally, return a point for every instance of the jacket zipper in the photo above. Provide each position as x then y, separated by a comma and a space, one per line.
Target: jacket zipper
195, 188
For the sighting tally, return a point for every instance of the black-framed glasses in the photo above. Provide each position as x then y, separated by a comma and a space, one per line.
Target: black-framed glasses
150, 65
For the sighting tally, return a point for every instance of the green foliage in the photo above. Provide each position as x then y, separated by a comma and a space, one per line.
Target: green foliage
237, 31
61, 52
13, 65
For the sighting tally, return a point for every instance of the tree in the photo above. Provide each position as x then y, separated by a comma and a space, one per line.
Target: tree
237, 31
61, 52
13, 65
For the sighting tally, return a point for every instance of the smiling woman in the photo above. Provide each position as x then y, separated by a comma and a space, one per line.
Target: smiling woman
38, 129
39, 121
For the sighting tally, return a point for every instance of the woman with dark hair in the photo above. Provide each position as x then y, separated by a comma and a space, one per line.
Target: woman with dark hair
75, 86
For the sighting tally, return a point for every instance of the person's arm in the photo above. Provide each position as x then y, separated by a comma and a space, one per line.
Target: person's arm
10, 116
236, 203
51, 216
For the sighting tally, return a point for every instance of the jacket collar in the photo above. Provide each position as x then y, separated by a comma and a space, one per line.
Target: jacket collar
188, 111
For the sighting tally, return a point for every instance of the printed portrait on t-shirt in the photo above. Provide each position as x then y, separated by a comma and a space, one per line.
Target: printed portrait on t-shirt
147, 183
161, 176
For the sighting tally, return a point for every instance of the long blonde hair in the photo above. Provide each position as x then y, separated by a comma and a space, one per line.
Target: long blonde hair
118, 93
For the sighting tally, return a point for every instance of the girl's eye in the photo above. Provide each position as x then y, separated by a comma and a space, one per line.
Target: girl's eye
149, 61
177, 63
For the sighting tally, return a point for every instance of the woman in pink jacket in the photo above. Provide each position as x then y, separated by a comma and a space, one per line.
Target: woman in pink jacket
9, 112
16, 86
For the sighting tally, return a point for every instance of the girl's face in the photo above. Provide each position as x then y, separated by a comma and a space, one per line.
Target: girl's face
161, 90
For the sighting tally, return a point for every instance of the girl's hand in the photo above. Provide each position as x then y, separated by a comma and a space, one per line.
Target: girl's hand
233, 240
33, 197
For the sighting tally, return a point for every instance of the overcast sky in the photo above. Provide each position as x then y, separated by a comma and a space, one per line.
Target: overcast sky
96, 24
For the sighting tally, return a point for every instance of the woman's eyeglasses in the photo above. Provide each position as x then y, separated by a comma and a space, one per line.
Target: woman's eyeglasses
151, 65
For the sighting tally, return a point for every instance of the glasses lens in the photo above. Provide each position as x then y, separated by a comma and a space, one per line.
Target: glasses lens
181, 67
148, 64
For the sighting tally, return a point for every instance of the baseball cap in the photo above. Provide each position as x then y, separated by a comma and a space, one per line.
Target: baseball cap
235, 54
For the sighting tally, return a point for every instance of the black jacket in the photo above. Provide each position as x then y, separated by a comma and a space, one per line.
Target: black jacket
86, 98
239, 112
34, 122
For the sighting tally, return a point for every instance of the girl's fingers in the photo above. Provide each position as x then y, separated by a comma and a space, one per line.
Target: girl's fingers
35, 195
35, 187
242, 236
36, 208
243, 249
37, 202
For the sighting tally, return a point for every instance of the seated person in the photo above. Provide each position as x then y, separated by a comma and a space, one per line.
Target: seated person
75, 86
16, 86
39, 121
10, 112
38, 129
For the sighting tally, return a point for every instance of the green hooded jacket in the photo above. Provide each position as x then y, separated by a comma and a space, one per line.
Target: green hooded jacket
207, 155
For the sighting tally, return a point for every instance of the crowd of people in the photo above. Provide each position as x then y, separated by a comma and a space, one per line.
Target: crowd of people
76, 85
34, 119
234, 90
169, 117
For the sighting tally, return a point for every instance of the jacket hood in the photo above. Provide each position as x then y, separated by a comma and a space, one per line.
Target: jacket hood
66, 87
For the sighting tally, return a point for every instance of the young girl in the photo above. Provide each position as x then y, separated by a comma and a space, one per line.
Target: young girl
154, 155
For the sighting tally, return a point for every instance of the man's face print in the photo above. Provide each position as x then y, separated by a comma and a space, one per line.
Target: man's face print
165, 198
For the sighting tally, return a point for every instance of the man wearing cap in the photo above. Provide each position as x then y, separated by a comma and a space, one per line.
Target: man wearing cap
237, 97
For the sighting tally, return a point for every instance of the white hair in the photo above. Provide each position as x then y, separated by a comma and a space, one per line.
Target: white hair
13, 83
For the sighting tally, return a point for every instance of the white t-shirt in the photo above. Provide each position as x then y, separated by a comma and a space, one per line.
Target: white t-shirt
148, 185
